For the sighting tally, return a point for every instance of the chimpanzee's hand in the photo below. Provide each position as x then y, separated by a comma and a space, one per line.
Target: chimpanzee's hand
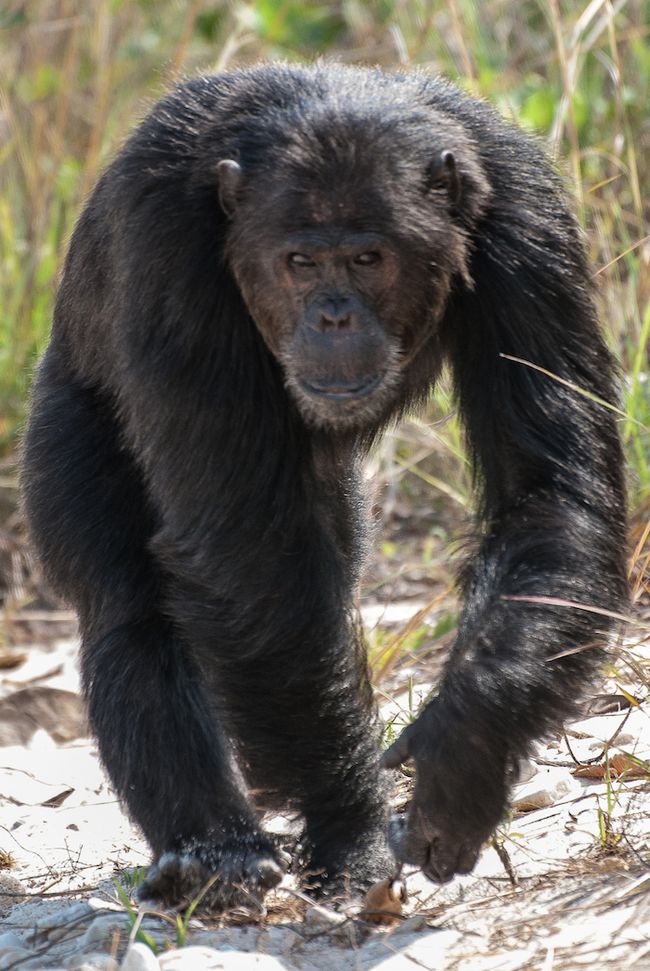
460, 791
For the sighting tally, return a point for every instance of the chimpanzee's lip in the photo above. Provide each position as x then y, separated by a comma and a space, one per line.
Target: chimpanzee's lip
338, 390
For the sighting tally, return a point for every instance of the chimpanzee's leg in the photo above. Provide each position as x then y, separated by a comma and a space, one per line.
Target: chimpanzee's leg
335, 772
298, 702
158, 735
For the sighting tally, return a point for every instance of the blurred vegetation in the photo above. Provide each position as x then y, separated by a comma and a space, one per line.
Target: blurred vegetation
76, 75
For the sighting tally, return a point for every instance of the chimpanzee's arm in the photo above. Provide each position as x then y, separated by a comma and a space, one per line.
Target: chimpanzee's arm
549, 469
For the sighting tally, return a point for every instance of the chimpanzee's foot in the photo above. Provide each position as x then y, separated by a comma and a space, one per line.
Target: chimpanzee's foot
345, 872
235, 873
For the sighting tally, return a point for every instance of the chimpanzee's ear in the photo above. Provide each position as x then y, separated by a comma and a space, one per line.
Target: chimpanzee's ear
229, 175
442, 173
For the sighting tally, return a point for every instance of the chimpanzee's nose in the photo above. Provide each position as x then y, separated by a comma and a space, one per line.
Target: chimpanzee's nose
336, 313
333, 320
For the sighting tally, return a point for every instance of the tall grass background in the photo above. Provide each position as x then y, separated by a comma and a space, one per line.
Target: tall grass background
77, 74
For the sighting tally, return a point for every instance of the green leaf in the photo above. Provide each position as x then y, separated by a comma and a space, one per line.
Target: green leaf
538, 110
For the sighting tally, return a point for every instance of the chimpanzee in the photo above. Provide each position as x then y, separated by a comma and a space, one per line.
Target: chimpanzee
273, 268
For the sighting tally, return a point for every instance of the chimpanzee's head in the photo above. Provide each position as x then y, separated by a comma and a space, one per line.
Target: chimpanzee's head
345, 245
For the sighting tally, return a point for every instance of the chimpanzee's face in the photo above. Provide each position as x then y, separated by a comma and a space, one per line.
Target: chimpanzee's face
343, 298
335, 326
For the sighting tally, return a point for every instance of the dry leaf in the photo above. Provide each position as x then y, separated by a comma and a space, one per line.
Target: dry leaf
383, 902
22, 789
619, 764
10, 660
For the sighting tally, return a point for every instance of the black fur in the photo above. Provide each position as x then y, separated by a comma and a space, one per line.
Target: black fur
191, 473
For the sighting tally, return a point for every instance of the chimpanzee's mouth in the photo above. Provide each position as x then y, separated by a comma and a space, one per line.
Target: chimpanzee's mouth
338, 390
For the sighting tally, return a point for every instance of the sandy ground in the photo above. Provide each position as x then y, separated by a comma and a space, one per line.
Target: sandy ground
569, 887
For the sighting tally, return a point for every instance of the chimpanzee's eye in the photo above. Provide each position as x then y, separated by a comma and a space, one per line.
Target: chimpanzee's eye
300, 261
367, 259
